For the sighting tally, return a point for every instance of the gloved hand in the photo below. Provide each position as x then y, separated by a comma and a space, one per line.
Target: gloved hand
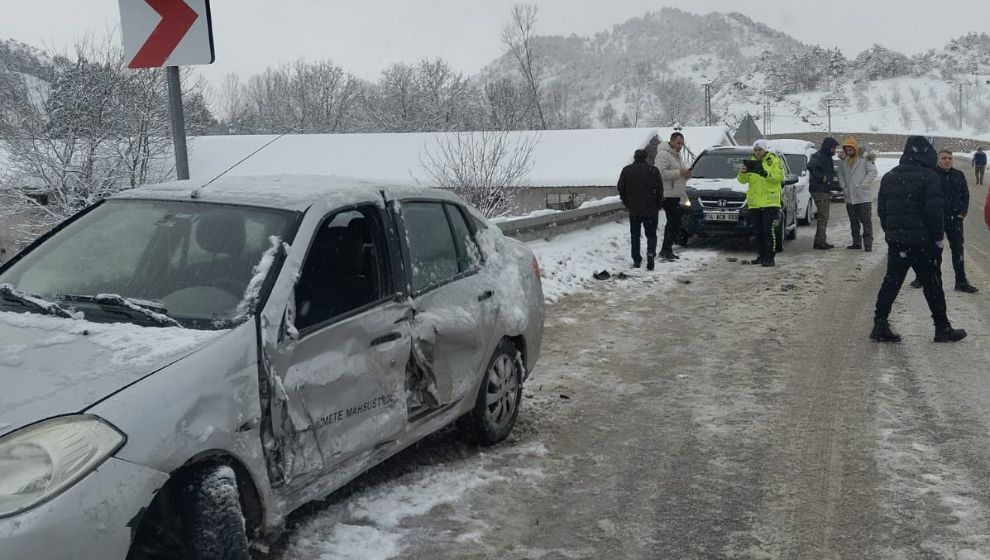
760, 171
939, 244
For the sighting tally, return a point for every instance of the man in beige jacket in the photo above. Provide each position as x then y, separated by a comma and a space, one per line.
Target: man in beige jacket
675, 176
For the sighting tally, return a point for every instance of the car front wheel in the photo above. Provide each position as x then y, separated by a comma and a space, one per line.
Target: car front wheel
198, 518
497, 405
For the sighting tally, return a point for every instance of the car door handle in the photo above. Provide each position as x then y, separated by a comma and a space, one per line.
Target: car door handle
386, 338
486, 294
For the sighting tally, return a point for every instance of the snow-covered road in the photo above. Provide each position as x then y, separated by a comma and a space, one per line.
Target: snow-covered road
707, 410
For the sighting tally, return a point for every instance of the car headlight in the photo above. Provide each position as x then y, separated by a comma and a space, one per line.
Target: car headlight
41, 460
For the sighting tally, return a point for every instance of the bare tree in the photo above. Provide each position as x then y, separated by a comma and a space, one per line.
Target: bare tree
484, 168
230, 102
517, 35
676, 101
96, 128
504, 104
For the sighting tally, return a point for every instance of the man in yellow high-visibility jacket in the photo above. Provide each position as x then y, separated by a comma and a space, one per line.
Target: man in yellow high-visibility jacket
764, 173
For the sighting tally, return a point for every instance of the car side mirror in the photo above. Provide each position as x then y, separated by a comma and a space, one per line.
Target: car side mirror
790, 179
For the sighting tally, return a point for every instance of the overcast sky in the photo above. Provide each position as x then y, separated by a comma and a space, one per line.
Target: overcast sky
364, 36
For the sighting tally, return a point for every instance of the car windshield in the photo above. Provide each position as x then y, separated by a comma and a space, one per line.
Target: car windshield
718, 166
796, 162
187, 261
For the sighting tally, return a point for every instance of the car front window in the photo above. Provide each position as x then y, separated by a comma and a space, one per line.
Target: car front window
191, 261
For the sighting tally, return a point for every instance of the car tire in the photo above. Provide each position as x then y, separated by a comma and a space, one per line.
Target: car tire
212, 521
497, 404
809, 216
779, 232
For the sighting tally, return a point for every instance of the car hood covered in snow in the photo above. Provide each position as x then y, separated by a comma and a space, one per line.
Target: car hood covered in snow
717, 184
51, 366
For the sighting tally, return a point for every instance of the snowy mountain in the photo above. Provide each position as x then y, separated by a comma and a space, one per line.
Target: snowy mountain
635, 74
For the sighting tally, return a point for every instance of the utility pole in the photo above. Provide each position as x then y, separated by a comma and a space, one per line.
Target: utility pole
831, 101
767, 114
708, 104
960, 106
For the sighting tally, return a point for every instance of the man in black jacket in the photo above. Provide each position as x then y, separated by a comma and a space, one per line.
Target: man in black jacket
641, 190
820, 171
979, 163
911, 215
956, 194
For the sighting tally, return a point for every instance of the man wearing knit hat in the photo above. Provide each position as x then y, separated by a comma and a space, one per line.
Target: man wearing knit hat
641, 191
764, 173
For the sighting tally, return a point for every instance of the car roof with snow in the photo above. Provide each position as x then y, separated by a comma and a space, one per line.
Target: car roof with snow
792, 146
287, 192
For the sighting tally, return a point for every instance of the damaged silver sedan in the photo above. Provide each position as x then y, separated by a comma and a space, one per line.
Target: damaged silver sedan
182, 367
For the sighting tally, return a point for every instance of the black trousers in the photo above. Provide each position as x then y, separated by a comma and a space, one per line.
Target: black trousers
924, 261
649, 226
671, 231
764, 222
979, 174
954, 235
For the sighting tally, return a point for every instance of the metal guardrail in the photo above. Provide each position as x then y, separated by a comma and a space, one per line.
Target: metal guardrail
545, 227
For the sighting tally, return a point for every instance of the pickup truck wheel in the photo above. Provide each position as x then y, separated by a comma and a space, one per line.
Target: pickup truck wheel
497, 404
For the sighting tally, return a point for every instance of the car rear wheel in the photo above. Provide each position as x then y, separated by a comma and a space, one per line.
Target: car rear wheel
497, 405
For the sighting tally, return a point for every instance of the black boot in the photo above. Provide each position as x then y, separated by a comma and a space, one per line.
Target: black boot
649, 263
855, 245
945, 333
881, 332
667, 254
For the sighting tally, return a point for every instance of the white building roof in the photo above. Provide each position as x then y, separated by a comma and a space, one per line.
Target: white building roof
588, 157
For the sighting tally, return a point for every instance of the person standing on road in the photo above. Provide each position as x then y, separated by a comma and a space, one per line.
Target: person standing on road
979, 163
675, 176
956, 195
641, 190
856, 175
819, 183
910, 207
765, 176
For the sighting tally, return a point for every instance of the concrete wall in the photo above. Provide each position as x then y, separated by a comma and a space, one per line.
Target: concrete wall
529, 199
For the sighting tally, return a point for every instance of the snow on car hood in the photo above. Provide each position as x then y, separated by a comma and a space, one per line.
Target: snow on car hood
51, 366
716, 184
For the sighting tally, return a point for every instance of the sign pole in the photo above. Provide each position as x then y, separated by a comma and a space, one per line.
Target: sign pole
178, 122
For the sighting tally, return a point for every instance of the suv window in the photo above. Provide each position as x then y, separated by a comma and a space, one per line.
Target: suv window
796, 163
468, 254
432, 248
345, 268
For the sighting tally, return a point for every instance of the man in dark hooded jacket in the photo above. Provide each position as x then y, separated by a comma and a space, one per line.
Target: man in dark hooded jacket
911, 215
819, 183
641, 190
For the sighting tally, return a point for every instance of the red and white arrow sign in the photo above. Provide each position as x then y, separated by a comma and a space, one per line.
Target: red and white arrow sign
166, 32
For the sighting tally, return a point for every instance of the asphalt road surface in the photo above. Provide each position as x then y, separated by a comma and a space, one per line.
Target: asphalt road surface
736, 412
